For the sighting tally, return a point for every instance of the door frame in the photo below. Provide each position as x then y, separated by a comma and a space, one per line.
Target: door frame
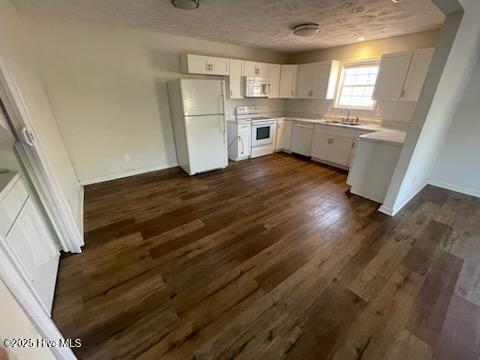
31, 305
35, 162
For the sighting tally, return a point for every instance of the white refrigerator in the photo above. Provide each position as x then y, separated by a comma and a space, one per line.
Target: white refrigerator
198, 114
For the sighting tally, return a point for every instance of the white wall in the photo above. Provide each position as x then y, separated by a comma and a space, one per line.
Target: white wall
107, 86
16, 325
444, 87
458, 165
15, 47
393, 114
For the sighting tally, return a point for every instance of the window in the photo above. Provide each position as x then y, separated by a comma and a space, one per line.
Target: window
356, 86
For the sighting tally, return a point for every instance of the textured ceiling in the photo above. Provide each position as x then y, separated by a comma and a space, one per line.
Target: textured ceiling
261, 23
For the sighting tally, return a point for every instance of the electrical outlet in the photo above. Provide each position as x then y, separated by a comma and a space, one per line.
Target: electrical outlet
126, 157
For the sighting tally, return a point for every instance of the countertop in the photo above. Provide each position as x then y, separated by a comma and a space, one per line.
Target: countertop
360, 126
389, 136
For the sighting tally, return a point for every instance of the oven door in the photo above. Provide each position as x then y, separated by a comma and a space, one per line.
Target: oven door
263, 133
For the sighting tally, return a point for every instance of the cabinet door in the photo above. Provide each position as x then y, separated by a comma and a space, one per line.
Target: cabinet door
416, 74
288, 81
339, 150
262, 69
253, 68
250, 68
217, 66
321, 76
391, 76
196, 64
274, 77
305, 81
284, 135
32, 246
320, 146
235, 79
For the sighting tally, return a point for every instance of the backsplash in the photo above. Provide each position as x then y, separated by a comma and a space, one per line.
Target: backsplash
395, 114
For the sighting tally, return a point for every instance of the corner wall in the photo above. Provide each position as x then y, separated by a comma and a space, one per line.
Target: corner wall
448, 76
458, 167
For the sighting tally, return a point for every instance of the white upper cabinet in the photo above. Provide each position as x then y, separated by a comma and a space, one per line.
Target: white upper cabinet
417, 73
391, 76
258, 69
317, 80
274, 77
288, 81
206, 65
235, 82
401, 75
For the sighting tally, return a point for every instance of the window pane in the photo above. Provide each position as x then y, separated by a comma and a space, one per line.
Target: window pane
357, 87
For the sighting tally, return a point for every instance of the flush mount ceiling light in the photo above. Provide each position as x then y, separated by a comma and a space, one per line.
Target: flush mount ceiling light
306, 30
186, 4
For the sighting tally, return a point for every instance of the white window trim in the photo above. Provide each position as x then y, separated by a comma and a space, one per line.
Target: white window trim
343, 65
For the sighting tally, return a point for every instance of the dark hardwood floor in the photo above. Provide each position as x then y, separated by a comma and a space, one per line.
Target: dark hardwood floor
271, 258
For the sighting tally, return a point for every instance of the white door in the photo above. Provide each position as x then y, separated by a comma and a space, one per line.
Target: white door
207, 143
34, 252
274, 77
391, 76
288, 81
235, 79
202, 97
416, 74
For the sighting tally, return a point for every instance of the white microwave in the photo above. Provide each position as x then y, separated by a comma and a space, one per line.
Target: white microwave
256, 86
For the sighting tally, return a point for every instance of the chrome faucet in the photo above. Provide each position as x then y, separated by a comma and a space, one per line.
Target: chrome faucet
347, 119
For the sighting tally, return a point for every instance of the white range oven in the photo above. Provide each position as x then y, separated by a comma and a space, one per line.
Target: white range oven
263, 129
263, 137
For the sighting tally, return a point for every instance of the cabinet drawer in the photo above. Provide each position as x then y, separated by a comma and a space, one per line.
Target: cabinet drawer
335, 131
11, 205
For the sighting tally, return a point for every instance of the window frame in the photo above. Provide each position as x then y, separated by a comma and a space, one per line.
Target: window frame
340, 85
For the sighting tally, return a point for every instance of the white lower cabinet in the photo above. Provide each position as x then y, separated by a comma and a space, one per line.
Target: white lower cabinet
239, 141
28, 240
302, 134
332, 145
284, 135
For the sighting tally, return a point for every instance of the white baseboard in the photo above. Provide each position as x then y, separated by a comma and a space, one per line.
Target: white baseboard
125, 174
386, 210
456, 188
393, 211
81, 203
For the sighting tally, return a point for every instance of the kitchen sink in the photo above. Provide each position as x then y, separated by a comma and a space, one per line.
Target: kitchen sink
341, 122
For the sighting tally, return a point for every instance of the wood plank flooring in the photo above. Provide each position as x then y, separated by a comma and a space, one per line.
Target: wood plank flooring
271, 258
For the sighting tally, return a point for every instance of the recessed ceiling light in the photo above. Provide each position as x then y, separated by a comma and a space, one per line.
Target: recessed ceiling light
306, 29
396, 1
186, 4
361, 38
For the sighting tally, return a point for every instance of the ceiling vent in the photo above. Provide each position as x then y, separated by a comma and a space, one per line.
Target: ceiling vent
186, 4
306, 30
